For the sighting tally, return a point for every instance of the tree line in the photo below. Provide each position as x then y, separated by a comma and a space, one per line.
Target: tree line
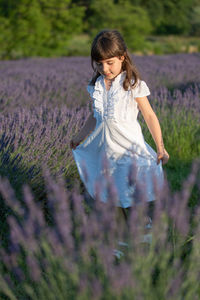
45, 27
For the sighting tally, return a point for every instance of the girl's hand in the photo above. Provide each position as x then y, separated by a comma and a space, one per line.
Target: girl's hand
74, 143
162, 155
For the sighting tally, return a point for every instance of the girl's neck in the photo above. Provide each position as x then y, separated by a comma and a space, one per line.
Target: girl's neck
108, 83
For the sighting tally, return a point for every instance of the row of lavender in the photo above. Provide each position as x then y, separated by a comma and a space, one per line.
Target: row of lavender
62, 81
36, 137
43, 103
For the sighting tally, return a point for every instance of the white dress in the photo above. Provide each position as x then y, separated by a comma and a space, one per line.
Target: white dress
118, 136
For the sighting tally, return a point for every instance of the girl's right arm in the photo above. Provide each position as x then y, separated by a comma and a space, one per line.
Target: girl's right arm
154, 128
84, 132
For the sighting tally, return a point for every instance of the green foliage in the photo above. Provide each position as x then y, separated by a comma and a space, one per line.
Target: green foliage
135, 26
170, 17
132, 21
40, 28
5, 36
195, 20
172, 44
50, 28
154, 8
79, 45
175, 17
29, 29
65, 20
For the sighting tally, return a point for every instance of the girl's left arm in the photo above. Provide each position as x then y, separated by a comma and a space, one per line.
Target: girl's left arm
154, 127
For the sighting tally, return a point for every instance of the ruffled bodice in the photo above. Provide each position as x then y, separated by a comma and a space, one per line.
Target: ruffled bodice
116, 104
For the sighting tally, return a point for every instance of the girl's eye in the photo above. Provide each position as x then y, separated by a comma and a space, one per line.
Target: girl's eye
100, 64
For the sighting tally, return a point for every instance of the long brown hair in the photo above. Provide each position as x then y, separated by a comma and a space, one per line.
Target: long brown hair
110, 43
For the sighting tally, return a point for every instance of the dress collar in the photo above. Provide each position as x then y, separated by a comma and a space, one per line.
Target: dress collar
99, 87
117, 81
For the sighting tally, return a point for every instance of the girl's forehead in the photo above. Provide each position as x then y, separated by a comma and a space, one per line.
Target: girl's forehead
108, 59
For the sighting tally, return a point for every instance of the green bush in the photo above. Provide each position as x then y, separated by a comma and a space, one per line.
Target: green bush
40, 28
132, 21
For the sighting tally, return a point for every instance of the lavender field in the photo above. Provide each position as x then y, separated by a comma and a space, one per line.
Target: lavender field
54, 245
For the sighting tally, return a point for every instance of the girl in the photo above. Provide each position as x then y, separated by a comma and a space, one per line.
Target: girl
112, 129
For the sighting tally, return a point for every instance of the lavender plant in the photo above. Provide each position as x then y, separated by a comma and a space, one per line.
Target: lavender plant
73, 258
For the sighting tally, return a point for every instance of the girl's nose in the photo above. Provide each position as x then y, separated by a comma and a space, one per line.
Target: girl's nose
105, 69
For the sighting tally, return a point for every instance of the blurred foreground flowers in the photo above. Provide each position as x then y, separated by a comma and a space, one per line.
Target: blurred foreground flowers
64, 250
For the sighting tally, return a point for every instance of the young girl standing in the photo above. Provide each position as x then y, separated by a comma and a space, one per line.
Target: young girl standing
112, 129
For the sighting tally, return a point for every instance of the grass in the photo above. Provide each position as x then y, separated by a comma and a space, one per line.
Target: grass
181, 137
80, 45
172, 44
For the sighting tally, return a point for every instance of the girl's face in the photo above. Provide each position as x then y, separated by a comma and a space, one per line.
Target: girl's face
110, 67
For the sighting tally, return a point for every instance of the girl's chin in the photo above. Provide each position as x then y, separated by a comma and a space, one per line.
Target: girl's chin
109, 76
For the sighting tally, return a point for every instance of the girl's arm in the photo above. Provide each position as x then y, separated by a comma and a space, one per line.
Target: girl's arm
84, 132
154, 128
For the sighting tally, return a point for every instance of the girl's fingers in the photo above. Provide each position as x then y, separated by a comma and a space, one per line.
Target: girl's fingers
72, 145
164, 157
158, 160
74, 142
159, 157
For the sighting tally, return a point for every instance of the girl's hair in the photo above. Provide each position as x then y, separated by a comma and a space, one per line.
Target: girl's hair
107, 44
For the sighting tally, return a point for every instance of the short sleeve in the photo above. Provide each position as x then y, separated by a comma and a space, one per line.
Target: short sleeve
141, 89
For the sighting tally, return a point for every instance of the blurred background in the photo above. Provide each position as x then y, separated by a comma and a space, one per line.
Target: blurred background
51, 28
